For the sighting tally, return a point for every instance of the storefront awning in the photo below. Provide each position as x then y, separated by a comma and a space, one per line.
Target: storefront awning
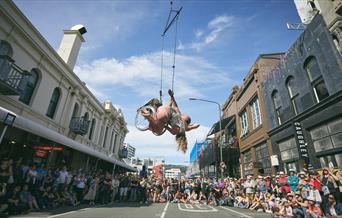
40, 130
224, 122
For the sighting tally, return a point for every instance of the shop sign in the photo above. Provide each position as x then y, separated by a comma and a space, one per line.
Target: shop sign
48, 148
303, 145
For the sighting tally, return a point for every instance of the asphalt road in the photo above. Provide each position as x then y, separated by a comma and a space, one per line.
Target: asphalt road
132, 210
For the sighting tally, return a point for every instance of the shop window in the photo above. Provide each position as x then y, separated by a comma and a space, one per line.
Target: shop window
29, 88
288, 149
292, 93
244, 123
318, 85
53, 103
92, 127
248, 162
256, 115
291, 166
327, 136
276, 105
263, 157
331, 161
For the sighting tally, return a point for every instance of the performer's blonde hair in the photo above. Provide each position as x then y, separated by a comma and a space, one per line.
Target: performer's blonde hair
182, 142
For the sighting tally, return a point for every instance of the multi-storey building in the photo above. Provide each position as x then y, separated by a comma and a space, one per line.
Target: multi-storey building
58, 120
303, 98
255, 146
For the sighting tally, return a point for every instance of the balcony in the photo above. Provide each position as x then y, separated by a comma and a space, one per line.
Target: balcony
79, 125
123, 153
12, 77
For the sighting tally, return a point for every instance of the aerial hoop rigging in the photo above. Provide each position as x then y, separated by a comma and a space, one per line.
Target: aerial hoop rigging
168, 25
158, 117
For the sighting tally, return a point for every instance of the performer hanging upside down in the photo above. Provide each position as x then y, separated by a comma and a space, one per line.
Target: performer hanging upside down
169, 117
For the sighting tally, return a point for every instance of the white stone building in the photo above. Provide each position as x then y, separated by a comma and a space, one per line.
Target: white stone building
53, 107
174, 173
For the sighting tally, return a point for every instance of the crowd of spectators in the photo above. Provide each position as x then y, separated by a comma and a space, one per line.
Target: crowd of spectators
25, 188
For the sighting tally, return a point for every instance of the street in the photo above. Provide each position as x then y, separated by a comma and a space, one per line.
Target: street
134, 210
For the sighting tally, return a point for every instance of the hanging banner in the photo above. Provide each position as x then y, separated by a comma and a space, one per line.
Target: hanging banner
303, 145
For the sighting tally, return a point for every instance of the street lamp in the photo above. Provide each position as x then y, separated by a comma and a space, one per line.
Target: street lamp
8, 121
220, 123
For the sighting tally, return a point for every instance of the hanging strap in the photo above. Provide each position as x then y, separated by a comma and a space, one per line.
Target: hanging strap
174, 55
161, 72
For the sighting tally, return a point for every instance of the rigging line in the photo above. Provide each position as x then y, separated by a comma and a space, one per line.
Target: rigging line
161, 72
174, 54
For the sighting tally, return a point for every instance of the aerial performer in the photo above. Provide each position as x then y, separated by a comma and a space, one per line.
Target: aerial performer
168, 117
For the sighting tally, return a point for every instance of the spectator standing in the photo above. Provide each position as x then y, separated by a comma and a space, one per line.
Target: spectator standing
292, 180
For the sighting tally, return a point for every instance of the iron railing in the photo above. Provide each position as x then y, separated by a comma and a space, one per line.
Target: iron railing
12, 78
79, 125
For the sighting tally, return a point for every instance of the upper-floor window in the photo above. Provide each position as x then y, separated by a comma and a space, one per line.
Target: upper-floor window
244, 123
30, 85
292, 93
256, 115
336, 43
53, 103
6, 52
75, 111
92, 127
5, 48
317, 82
105, 137
277, 105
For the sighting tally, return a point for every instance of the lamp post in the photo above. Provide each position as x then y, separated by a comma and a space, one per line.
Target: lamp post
220, 124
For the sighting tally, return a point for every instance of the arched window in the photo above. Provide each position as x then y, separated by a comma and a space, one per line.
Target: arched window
277, 105
75, 111
292, 92
86, 116
29, 87
6, 53
313, 70
92, 127
53, 103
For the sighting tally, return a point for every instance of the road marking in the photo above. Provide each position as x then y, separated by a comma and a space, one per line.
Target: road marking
199, 206
188, 206
197, 211
164, 211
241, 214
62, 214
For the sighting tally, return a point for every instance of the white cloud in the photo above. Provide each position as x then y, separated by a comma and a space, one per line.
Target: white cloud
141, 74
149, 145
214, 29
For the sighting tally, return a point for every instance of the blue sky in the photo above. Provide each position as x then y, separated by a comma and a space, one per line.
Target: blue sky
218, 41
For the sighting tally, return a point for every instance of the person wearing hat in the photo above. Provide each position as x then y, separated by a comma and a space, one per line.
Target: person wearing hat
261, 185
292, 180
329, 187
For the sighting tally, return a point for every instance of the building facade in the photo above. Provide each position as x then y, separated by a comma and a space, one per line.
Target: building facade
53, 107
254, 143
174, 173
303, 98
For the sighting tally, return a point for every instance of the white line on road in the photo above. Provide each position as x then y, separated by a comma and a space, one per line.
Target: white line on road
199, 211
241, 214
165, 209
62, 214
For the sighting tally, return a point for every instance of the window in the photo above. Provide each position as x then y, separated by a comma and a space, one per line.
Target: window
288, 149
5, 66
318, 85
105, 137
263, 157
327, 136
29, 87
86, 116
248, 162
292, 93
244, 123
276, 105
5, 48
92, 127
53, 103
256, 113
336, 43
75, 111
331, 160
114, 143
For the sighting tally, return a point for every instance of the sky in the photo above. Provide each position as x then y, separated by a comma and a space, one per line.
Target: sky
217, 43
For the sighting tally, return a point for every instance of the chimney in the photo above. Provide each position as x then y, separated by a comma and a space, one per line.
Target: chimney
71, 44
